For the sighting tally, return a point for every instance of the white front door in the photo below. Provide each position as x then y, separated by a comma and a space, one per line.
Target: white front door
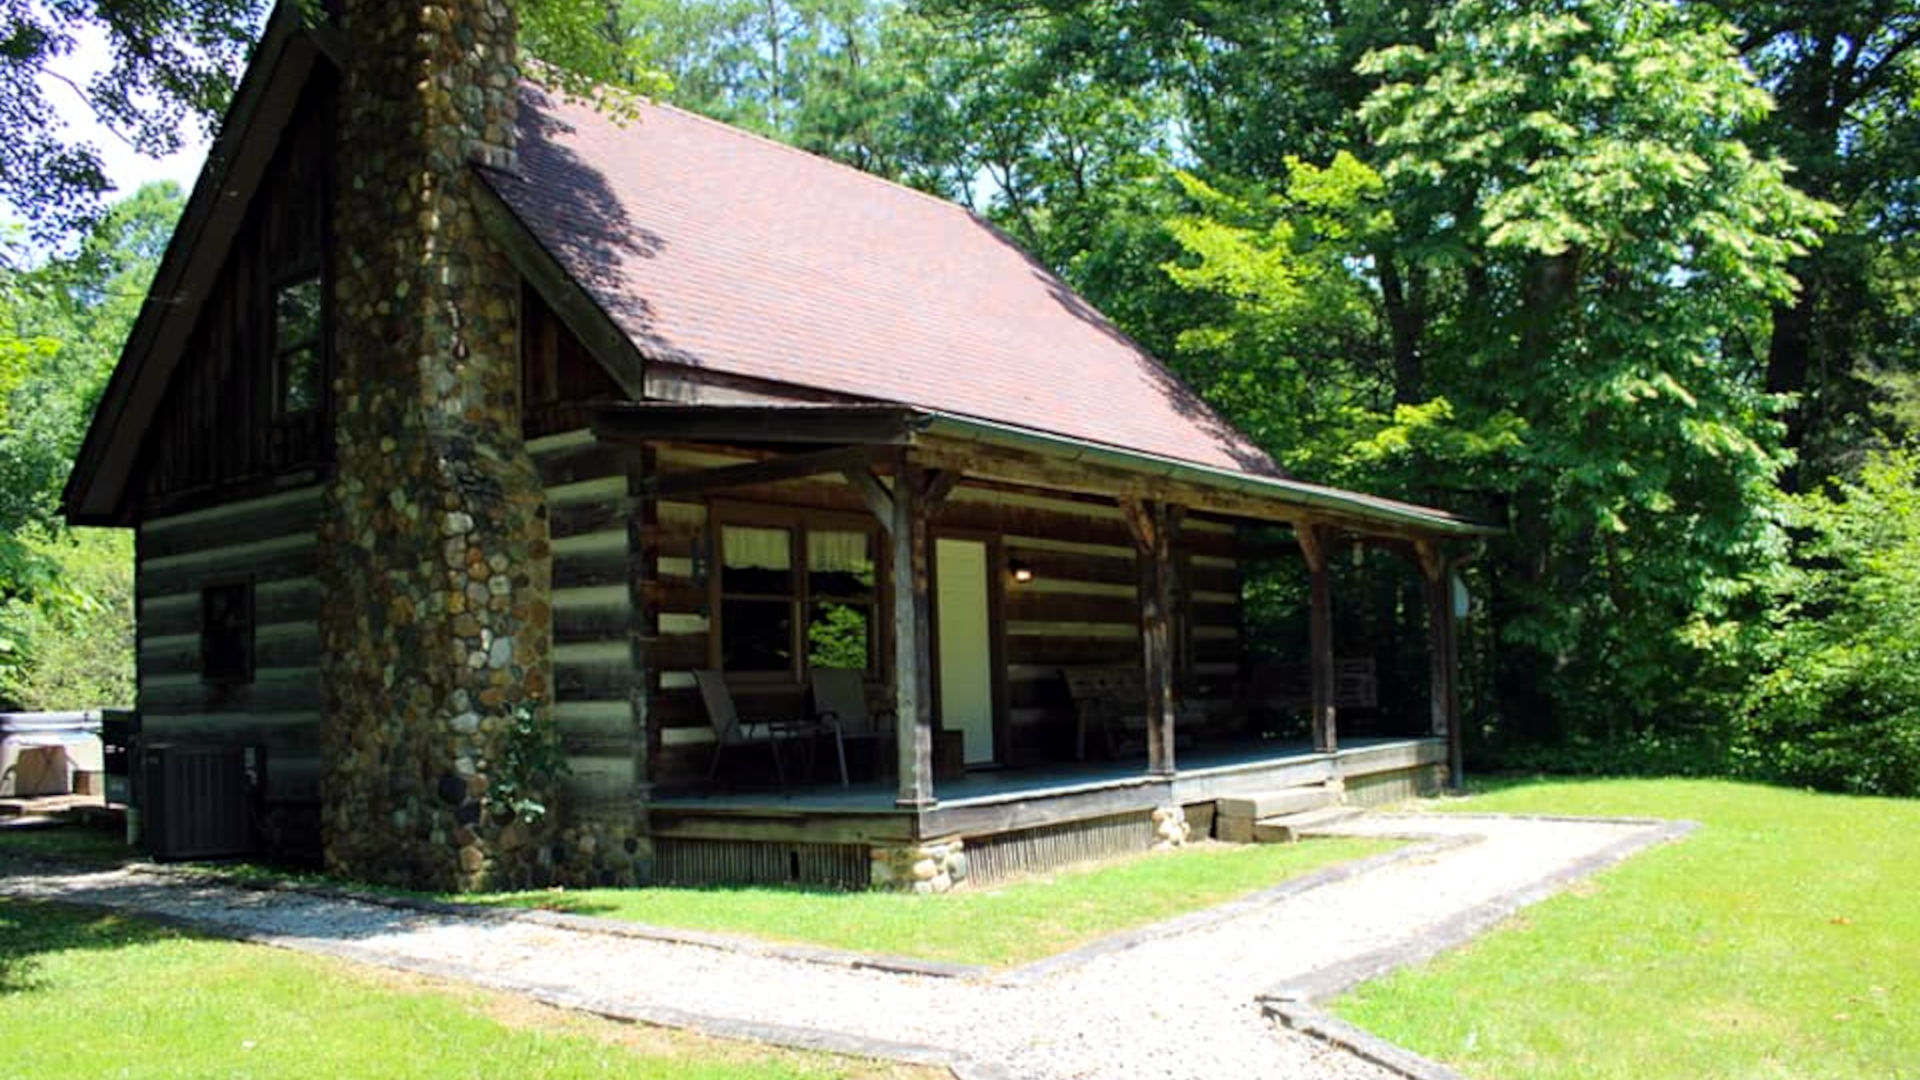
964, 636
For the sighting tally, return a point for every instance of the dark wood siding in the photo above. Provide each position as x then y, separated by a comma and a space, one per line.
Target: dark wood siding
219, 434
560, 380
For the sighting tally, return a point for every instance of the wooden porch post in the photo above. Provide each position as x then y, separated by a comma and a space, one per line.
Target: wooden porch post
912, 637
1442, 655
1313, 545
1153, 525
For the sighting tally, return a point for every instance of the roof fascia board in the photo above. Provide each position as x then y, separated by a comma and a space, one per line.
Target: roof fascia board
577, 308
263, 104
1246, 495
1332, 502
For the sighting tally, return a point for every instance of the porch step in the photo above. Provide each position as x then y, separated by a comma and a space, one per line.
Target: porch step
1287, 828
1234, 819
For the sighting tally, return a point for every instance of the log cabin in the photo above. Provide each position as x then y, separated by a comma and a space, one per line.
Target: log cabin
466, 418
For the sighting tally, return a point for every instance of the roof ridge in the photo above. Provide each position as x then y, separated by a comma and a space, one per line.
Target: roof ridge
740, 132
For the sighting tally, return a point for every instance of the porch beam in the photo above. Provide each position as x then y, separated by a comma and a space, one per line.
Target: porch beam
772, 470
1154, 525
1443, 655
1314, 540
912, 638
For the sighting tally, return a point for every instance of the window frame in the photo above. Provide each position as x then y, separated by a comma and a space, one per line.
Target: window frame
247, 647
280, 351
799, 523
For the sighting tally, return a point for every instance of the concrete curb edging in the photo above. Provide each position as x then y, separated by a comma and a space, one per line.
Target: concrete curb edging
586, 924
802, 1038
1425, 844
1292, 1003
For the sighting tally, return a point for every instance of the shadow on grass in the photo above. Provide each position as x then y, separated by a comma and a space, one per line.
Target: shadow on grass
30, 930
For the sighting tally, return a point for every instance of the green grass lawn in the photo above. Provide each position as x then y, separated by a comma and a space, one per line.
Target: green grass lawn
1781, 940
86, 995
1006, 924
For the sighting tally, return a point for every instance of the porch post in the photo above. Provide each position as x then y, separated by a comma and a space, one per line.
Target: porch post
1313, 545
912, 638
1153, 525
1442, 655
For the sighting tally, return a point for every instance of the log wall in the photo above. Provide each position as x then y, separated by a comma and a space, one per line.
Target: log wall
271, 542
597, 689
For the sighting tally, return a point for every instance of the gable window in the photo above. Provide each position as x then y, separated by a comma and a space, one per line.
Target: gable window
795, 596
296, 345
226, 632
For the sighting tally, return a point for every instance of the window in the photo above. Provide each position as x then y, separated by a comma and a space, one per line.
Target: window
795, 596
840, 593
296, 345
226, 632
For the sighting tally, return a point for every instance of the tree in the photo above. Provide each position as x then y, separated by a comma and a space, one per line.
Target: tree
1846, 75
65, 598
1576, 170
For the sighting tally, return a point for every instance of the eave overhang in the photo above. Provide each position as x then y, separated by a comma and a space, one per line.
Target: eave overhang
988, 448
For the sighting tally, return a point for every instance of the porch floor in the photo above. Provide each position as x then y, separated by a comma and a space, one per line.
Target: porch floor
1201, 773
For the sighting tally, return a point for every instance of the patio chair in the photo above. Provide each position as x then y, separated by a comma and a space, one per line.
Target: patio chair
730, 730
840, 698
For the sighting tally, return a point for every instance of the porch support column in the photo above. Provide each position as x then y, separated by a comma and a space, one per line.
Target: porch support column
912, 636
1313, 545
1443, 656
1154, 525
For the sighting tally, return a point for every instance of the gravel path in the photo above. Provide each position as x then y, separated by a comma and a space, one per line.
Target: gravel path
1175, 1006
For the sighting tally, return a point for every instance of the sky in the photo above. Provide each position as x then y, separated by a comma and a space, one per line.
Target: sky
126, 167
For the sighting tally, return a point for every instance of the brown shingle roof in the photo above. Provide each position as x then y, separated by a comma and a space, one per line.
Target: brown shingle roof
724, 251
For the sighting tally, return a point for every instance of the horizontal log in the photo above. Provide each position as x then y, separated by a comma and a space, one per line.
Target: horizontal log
585, 569
293, 513
589, 516
1055, 651
1023, 606
274, 690
289, 557
283, 600
280, 645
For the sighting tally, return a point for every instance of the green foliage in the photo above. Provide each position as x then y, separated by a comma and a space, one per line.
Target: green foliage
531, 762
71, 645
1576, 168
65, 601
1838, 703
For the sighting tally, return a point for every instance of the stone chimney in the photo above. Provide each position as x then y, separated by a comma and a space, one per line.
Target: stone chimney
434, 550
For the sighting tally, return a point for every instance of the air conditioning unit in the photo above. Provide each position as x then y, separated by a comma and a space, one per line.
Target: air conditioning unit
197, 799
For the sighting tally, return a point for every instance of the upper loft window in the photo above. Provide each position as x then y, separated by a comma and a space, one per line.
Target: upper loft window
296, 345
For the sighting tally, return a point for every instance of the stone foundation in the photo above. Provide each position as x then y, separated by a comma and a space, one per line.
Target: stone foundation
609, 852
935, 866
1170, 828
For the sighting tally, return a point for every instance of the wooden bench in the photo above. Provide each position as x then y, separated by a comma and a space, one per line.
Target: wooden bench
1113, 700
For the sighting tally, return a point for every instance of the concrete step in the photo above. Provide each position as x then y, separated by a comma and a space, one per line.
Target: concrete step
1286, 828
1234, 818
1276, 803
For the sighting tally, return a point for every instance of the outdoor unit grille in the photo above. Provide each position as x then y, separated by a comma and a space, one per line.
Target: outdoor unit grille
197, 799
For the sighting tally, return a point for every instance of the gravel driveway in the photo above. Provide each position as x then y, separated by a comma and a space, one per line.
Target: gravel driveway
1179, 1003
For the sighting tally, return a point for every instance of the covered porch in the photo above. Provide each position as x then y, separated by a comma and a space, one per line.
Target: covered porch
898, 468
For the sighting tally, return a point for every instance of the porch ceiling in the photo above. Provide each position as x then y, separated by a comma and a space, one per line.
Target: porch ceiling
984, 448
